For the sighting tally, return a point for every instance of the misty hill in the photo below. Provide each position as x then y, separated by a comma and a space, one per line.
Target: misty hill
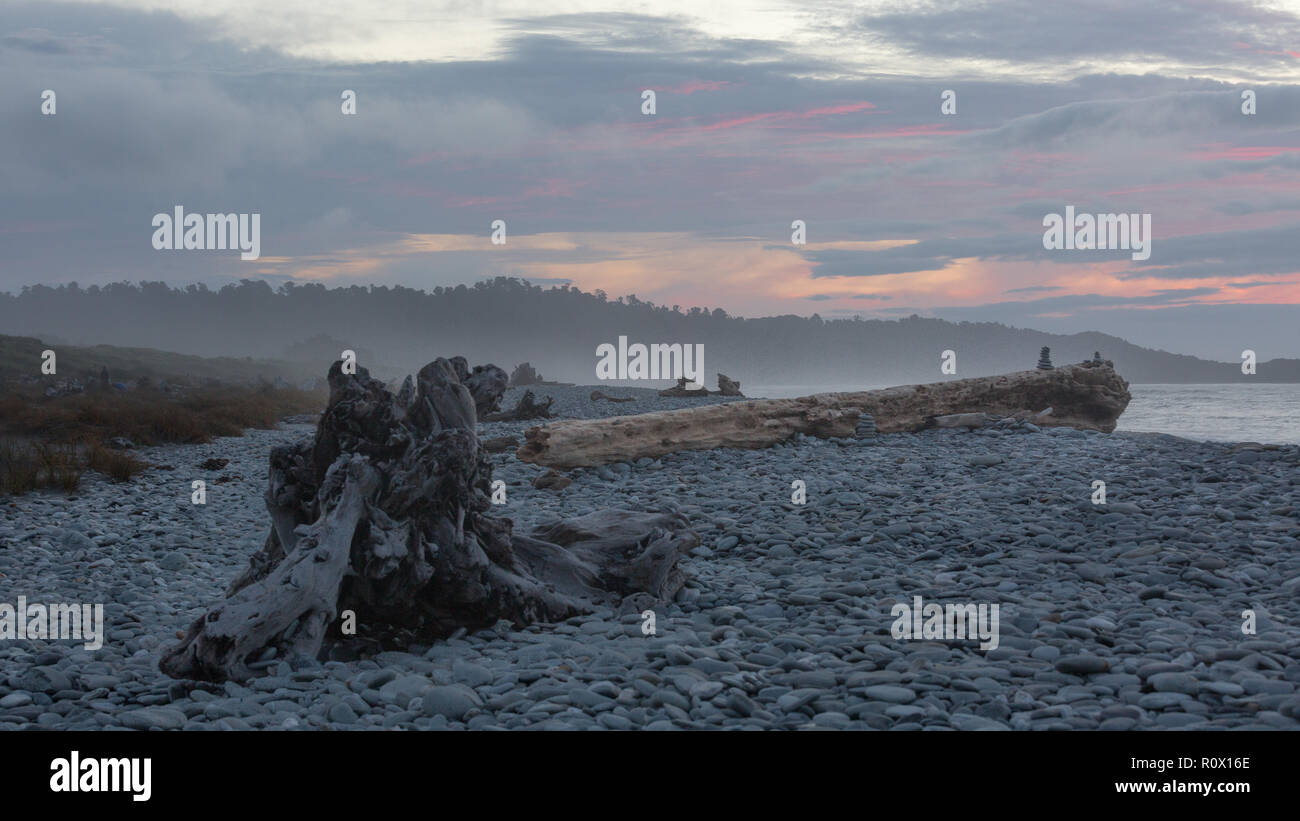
20, 361
507, 321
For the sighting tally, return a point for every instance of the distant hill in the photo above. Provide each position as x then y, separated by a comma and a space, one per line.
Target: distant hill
507, 321
20, 360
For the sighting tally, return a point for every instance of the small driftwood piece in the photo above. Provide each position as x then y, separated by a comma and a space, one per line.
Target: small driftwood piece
526, 408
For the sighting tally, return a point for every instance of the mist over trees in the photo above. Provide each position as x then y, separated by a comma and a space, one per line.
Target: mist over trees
507, 321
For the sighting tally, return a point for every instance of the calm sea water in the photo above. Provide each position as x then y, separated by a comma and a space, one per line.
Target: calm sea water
1229, 413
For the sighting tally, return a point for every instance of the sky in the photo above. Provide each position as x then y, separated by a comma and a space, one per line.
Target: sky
765, 113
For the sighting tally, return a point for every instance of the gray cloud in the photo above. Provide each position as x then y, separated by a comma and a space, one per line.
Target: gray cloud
1224, 253
1254, 284
156, 110
1203, 33
1238, 208
927, 255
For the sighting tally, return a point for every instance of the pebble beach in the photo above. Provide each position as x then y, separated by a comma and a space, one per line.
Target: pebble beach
1126, 615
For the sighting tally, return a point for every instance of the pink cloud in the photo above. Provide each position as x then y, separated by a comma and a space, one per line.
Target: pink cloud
847, 108
924, 130
684, 130
779, 116
692, 86
1221, 151
1249, 47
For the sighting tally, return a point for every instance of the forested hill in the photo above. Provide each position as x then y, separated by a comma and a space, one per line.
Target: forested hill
507, 321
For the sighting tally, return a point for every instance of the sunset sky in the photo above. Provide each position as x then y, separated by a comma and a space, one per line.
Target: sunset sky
767, 112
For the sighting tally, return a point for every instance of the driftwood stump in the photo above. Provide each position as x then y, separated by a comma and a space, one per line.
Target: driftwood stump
486, 384
524, 374
384, 512
728, 386
681, 389
526, 408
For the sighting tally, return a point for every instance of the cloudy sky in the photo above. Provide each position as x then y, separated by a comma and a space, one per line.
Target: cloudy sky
767, 112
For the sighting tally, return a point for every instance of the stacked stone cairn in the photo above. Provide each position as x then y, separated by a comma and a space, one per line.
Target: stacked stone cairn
866, 426
1045, 359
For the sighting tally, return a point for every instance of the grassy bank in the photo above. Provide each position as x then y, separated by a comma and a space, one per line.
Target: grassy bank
20, 357
50, 442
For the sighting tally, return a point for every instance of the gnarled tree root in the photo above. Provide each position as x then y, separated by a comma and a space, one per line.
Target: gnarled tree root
384, 512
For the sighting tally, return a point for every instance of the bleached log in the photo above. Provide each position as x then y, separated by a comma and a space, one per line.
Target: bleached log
754, 424
1088, 396
963, 420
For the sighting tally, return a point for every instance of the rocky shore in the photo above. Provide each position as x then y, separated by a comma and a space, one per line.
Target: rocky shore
1123, 615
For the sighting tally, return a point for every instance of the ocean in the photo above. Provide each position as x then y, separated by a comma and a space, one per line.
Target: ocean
1268, 413
1263, 412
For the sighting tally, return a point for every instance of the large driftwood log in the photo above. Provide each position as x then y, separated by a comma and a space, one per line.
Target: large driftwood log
1089, 396
754, 424
384, 512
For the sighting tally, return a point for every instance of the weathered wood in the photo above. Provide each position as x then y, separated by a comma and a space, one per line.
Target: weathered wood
486, 384
962, 420
524, 375
753, 424
384, 512
293, 603
682, 389
1089, 396
728, 386
526, 408
500, 444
